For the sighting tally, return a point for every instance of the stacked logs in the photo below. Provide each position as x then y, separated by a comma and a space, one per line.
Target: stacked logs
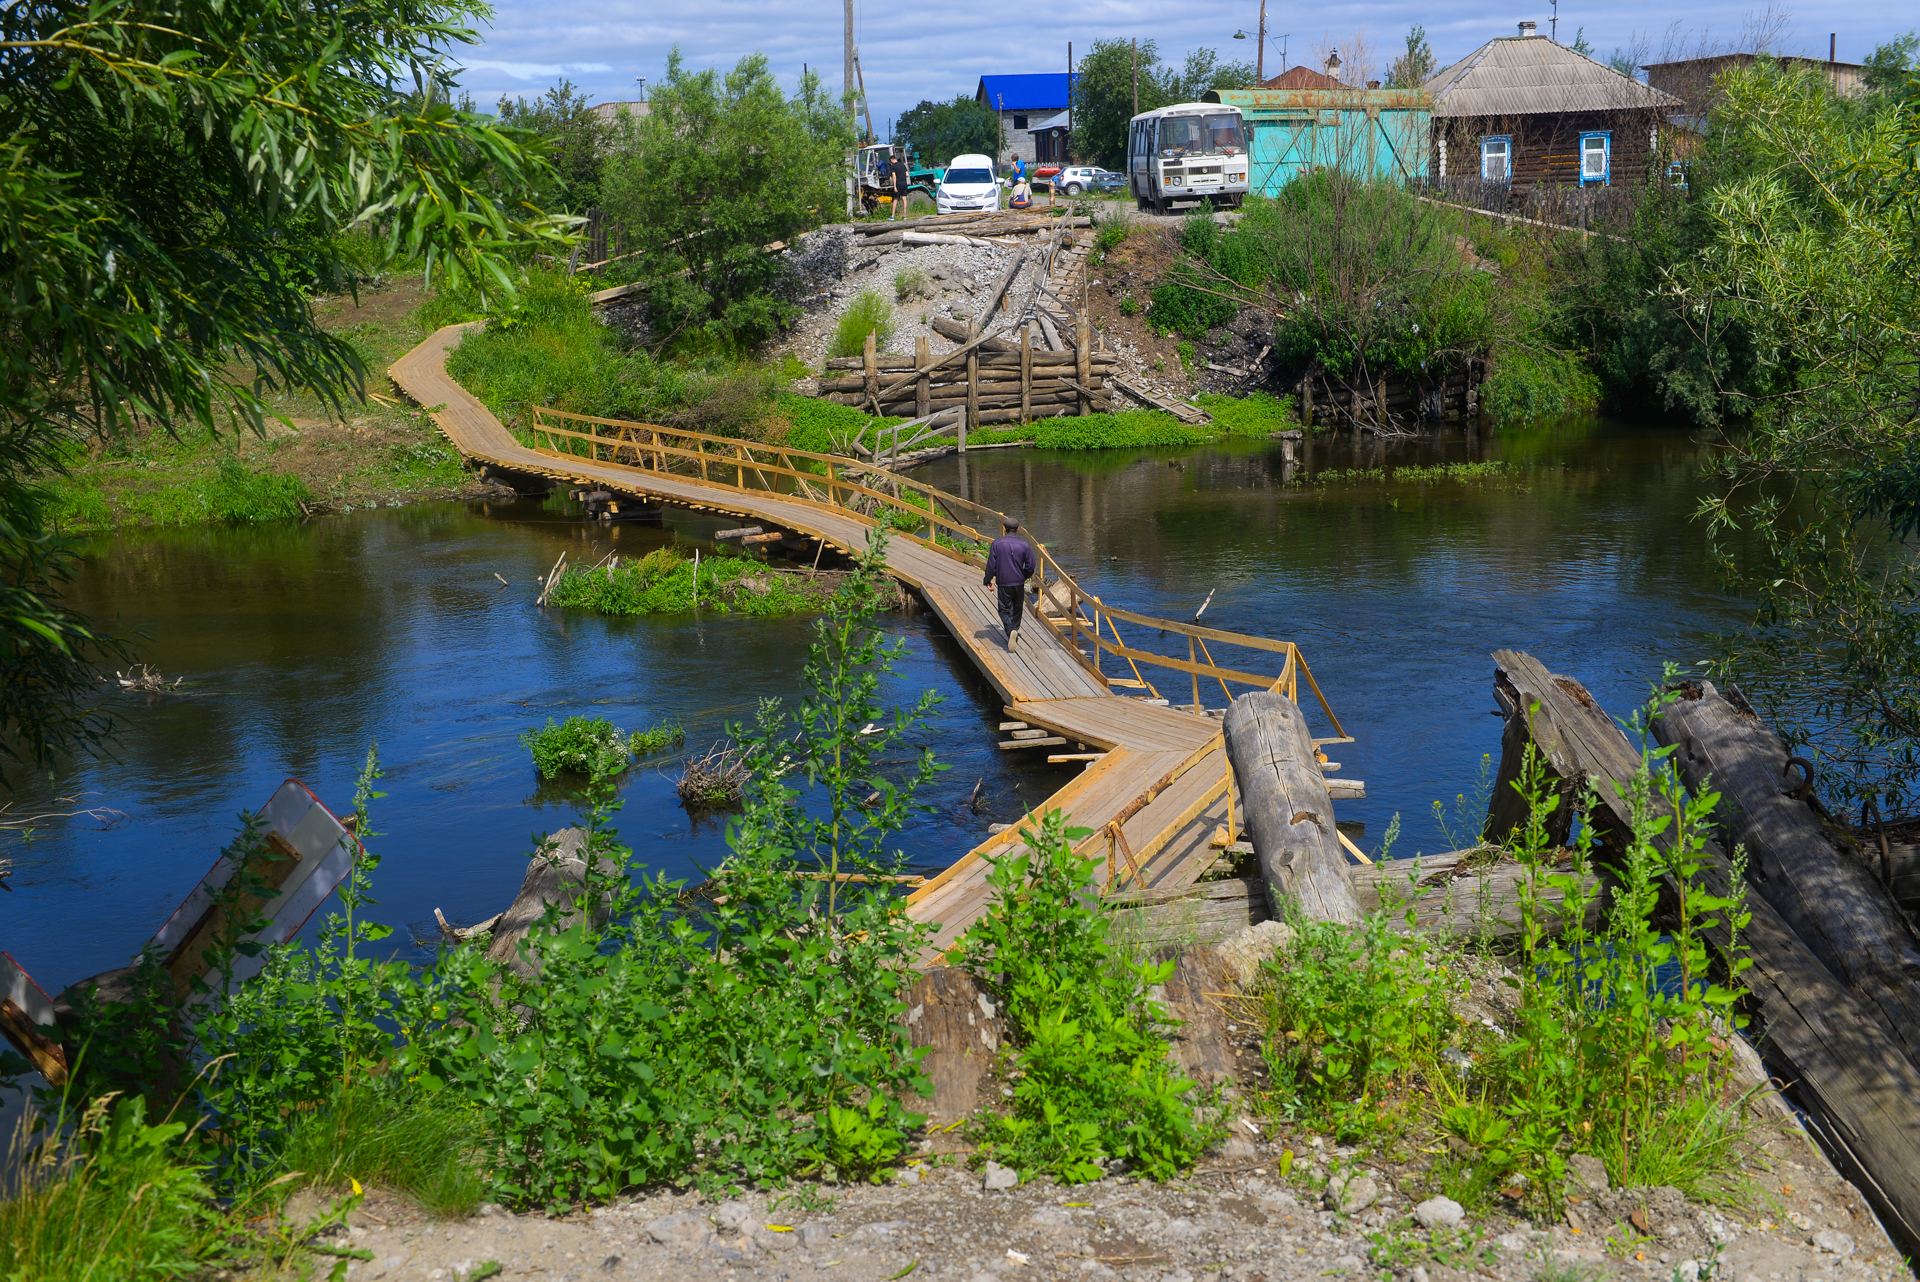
1003, 381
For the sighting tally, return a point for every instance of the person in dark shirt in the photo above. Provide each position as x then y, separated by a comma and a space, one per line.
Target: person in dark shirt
898, 168
1010, 564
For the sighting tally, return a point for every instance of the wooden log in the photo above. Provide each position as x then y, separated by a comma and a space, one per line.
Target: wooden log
1081, 346
923, 387
556, 876
1814, 1032
938, 238
873, 373
961, 333
1464, 895
1205, 912
1288, 812
973, 392
1837, 908
999, 294
1026, 372
1045, 741
959, 1025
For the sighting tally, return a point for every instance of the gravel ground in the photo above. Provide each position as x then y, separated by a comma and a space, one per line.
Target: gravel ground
1234, 1218
835, 265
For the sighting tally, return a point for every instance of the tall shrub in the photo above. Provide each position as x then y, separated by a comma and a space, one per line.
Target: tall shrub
720, 167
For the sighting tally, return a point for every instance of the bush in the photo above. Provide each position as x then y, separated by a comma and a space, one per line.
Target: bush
1528, 382
819, 426
868, 313
1093, 1076
664, 581
579, 745
1132, 429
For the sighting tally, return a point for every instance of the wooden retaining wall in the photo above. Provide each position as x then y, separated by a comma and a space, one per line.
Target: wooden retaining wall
1006, 386
1392, 399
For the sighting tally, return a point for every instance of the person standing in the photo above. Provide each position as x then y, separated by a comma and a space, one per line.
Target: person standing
898, 166
1010, 564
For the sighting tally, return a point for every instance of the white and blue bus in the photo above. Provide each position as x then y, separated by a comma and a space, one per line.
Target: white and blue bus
1187, 153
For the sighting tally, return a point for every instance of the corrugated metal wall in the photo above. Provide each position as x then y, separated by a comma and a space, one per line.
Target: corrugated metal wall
1368, 133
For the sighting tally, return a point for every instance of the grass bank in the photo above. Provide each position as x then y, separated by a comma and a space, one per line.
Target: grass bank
323, 458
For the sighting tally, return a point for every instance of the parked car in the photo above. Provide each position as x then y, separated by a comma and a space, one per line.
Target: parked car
1078, 178
967, 185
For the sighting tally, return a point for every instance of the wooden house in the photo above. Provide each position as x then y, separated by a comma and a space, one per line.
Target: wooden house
1368, 133
1523, 113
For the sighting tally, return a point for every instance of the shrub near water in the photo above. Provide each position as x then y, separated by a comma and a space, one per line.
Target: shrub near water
663, 581
582, 745
1617, 1048
868, 313
1093, 1075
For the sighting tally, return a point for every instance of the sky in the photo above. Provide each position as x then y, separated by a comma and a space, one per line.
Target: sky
925, 51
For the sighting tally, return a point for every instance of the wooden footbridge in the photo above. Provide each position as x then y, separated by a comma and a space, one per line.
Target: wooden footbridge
1158, 793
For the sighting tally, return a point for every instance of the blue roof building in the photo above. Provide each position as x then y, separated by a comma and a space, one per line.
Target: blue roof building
1022, 102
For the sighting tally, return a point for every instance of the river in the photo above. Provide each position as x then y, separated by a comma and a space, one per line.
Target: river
302, 643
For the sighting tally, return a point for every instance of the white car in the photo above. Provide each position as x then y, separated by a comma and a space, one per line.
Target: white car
1078, 178
967, 185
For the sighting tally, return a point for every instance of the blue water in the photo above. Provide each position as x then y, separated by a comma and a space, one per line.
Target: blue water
303, 642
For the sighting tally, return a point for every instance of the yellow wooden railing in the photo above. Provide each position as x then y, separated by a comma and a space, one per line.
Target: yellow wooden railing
956, 527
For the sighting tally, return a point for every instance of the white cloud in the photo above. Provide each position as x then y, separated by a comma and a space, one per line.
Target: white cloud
908, 53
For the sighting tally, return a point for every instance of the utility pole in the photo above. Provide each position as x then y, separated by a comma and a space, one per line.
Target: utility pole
1067, 153
1553, 24
1260, 50
1136, 75
847, 79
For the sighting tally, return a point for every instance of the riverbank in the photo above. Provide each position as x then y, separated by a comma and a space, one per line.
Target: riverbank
323, 458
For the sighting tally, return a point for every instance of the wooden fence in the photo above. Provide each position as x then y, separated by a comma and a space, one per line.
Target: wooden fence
1390, 399
955, 527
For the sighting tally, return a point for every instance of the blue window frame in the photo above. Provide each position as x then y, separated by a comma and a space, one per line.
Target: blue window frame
1596, 158
1496, 159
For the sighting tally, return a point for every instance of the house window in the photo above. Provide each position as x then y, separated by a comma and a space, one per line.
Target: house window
1496, 160
1596, 156
1019, 122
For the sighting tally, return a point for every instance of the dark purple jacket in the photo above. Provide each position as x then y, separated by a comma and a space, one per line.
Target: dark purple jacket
1010, 561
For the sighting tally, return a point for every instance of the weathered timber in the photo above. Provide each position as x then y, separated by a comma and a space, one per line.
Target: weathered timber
1006, 282
1288, 812
1204, 912
1461, 895
961, 333
952, 1016
1836, 907
1815, 1033
557, 875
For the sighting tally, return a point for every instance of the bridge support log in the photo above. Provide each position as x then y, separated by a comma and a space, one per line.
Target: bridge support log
1836, 906
1288, 812
1813, 1032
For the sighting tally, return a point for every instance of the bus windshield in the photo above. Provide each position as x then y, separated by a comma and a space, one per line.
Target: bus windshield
1217, 135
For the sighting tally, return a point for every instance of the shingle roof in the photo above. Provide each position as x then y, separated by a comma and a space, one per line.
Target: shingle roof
1530, 75
1033, 91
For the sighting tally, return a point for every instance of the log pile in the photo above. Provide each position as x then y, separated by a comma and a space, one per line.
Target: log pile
1391, 399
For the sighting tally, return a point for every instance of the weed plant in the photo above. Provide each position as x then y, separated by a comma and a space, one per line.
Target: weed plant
1093, 1078
579, 745
1618, 1047
868, 313
427, 1148
911, 283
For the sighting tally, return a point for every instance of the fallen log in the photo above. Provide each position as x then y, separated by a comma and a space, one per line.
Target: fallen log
936, 238
1288, 813
557, 875
1836, 907
1814, 1033
1465, 894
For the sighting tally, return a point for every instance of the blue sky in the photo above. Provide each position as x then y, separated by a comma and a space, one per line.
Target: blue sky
913, 51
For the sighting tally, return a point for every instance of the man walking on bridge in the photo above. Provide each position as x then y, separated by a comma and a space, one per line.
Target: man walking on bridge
1010, 564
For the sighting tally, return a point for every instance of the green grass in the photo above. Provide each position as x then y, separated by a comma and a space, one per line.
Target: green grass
1490, 470
421, 1146
663, 582
868, 313
121, 1203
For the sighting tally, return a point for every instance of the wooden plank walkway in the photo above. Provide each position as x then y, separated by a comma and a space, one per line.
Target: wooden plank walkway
1155, 800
